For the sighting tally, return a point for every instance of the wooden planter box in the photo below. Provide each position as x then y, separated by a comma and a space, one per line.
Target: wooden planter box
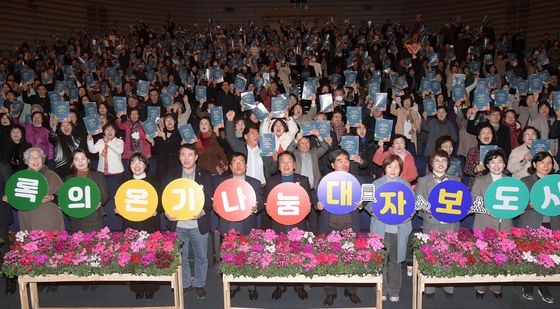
377, 280
30, 282
419, 281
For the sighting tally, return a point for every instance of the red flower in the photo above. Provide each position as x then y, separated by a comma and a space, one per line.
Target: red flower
360, 243
136, 258
471, 260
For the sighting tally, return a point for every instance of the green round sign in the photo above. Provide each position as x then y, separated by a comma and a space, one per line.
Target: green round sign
79, 197
26, 189
545, 196
506, 198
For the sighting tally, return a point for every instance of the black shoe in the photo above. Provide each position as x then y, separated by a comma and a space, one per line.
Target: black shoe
200, 293
301, 292
430, 296
353, 297
329, 300
11, 285
233, 292
253, 294
498, 295
139, 295
479, 294
278, 292
528, 293
545, 295
149, 295
188, 290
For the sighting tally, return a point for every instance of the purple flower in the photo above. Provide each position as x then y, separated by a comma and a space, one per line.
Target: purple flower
295, 234
500, 258
148, 259
41, 259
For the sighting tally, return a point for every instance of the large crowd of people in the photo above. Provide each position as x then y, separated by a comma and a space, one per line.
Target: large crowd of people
452, 66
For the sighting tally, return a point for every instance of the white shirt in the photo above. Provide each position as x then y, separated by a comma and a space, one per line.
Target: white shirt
114, 151
255, 166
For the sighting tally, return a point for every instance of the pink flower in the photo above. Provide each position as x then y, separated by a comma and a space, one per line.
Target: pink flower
41, 259
481, 245
500, 258
269, 235
136, 246
334, 236
295, 234
545, 260
123, 259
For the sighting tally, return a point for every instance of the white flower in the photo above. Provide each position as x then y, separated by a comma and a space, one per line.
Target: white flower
20, 236
555, 258
423, 237
271, 248
527, 256
94, 261
143, 235
348, 246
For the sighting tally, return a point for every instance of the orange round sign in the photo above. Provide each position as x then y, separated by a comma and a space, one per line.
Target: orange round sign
234, 200
288, 203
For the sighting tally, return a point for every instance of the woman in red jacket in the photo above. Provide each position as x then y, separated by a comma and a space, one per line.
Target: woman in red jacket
134, 136
398, 147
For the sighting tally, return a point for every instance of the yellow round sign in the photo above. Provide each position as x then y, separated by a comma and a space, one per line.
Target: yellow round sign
136, 200
183, 199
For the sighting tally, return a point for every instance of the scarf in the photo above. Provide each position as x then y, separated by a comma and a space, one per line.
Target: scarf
203, 141
134, 142
339, 130
513, 134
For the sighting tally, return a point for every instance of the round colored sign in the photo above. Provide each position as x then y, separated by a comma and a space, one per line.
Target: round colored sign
506, 198
288, 203
234, 200
136, 200
450, 201
339, 192
395, 203
26, 189
183, 199
545, 196
79, 197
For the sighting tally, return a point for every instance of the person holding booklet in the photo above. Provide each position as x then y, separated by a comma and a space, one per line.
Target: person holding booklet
212, 155
398, 147
65, 142
473, 165
500, 131
408, 119
520, 158
284, 130
134, 136
437, 127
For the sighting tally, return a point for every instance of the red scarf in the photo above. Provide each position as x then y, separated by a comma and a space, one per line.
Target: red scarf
203, 141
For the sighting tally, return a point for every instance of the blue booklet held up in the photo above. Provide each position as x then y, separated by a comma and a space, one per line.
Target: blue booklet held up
73, 94
60, 87
267, 144
454, 167
150, 127
326, 101
380, 101
492, 80
539, 145
501, 97
481, 99
482, 83
373, 88
335, 79
484, 149
279, 104
435, 86
240, 83
354, 115
154, 112
143, 88
54, 96
172, 89
17, 108
307, 127
120, 104
90, 108
350, 77
556, 100
92, 124
458, 93
351, 144
522, 86
248, 99
383, 129
261, 112
217, 115
535, 83
324, 128
200, 93
544, 76
458, 80
429, 106
308, 90
425, 85
187, 133
61, 110
166, 99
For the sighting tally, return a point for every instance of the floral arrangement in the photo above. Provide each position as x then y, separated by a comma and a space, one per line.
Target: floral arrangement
270, 254
38, 253
488, 252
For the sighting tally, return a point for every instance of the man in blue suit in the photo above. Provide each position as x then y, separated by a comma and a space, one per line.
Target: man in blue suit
238, 168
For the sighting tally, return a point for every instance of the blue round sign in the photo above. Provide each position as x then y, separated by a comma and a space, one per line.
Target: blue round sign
394, 203
450, 201
339, 192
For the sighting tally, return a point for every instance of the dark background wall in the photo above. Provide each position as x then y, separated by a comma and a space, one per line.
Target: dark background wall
27, 20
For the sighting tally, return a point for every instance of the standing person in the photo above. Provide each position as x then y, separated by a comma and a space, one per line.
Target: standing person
212, 155
47, 216
6, 219
398, 147
65, 141
287, 166
495, 162
134, 135
12, 152
36, 134
396, 236
437, 127
238, 169
340, 161
542, 165
81, 167
110, 149
193, 231
437, 166
166, 146
473, 166
138, 165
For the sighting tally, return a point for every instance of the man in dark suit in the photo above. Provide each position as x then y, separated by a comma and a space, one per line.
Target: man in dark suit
6, 220
193, 231
238, 168
287, 166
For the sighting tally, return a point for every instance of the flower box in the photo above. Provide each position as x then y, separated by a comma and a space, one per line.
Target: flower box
485, 257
